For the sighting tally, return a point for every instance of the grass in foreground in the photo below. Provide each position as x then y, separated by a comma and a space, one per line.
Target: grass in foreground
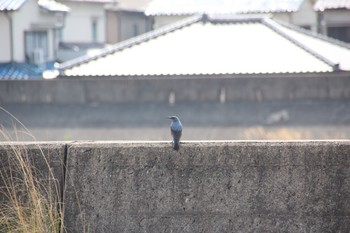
29, 199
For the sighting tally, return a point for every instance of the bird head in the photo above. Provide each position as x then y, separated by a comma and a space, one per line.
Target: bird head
174, 118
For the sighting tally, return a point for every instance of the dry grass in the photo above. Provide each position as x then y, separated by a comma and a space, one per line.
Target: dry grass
260, 133
31, 203
283, 133
29, 200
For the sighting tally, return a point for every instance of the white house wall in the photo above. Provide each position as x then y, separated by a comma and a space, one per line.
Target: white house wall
78, 22
305, 16
5, 54
30, 18
337, 18
163, 20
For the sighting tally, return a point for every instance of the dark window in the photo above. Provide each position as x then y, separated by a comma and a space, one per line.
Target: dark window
340, 33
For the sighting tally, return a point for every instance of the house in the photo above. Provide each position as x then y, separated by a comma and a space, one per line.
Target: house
28, 40
298, 12
126, 19
215, 45
334, 18
85, 28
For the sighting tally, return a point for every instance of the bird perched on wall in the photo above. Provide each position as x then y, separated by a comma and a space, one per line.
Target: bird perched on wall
176, 131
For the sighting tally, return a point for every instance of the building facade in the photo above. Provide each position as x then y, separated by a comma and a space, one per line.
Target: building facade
29, 31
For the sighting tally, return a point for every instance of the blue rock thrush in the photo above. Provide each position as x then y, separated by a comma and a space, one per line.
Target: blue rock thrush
176, 131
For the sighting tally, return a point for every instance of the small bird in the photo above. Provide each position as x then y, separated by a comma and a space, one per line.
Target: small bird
176, 131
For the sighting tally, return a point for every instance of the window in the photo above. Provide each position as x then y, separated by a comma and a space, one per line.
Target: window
36, 46
340, 33
94, 30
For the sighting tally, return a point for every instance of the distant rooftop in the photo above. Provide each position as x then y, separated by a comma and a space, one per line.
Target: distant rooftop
50, 5
94, 1
11, 5
15, 70
322, 5
131, 5
190, 7
203, 45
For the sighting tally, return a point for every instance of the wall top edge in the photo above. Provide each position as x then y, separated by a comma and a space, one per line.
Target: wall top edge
160, 143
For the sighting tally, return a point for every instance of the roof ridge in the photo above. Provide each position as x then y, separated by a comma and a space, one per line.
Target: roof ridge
131, 42
313, 34
236, 18
11, 5
161, 7
271, 24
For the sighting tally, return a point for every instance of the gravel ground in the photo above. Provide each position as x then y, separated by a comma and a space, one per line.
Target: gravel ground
202, 121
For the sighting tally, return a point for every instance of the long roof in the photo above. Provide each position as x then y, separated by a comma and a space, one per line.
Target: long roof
322, 5
217, 45
50, 5
16, 70
11, 5
53, 6
186, 7
92, 1
131, 5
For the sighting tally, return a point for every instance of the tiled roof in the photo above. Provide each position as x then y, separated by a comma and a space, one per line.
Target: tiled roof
131, 5
11, 5
217, 45
322, 5
15, 70
93, 1
52, 5
185, 7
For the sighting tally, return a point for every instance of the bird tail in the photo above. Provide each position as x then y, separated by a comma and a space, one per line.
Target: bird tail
176, 145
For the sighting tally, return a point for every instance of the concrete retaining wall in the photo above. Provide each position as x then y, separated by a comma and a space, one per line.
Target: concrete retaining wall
246, 186
192, 88
47, 165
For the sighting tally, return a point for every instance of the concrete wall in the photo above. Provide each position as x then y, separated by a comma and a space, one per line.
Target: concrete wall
192, 88
242, 186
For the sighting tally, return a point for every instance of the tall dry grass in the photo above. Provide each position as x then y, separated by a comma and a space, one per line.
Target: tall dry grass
284, 133
29, 199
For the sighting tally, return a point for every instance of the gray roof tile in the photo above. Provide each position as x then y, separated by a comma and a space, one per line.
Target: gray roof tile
185, 7
52, 5
133, 5
11, 5
322, 5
